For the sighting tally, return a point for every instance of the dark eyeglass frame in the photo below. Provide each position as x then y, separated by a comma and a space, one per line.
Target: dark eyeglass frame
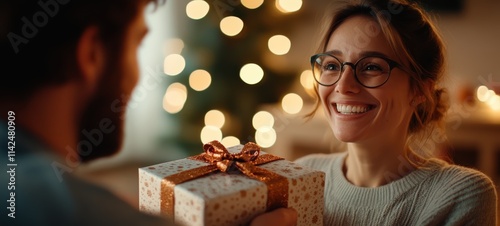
392, 64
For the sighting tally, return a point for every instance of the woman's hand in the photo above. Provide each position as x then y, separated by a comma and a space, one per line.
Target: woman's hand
281, 216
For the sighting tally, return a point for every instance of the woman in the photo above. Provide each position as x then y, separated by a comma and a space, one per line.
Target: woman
378, 71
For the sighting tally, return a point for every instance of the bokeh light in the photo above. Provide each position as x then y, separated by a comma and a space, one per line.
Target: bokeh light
288, 6
231, 25
261, 119
197, 9
199, 80
173, 45
252, 4
489, 97
279, 44
265, 136
173, 64
307, 80
483, 93
292, 103
251, 73
175, 97
230, 141
210, 133
215, 118
494, 103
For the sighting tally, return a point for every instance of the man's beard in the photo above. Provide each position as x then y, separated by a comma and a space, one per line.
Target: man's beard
102, 124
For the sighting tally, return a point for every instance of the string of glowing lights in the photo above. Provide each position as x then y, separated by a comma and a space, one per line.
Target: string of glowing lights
176, 94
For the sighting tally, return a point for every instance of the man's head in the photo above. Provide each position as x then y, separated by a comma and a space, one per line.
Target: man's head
48, 43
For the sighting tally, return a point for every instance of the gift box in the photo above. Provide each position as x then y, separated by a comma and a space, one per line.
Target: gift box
230, 187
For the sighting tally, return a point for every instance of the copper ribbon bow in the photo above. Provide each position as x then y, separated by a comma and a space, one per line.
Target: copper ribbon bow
216, 153
221, 159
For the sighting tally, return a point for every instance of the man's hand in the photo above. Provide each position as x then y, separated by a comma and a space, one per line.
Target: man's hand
282, 217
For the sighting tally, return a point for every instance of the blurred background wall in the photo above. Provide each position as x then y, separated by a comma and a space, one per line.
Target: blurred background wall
239, 71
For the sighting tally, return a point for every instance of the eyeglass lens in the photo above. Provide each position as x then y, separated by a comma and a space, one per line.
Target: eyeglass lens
369, 71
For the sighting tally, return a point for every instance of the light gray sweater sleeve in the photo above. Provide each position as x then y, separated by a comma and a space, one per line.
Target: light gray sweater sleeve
461, 197
437, 194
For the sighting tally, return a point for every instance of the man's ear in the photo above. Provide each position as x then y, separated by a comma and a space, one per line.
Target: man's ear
90, 56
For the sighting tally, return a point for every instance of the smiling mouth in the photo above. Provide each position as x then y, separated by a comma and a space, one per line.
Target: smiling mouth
347, 109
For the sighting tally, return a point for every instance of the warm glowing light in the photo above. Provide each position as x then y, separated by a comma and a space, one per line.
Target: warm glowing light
288, 6
491, 94
173, 45
265, 136
199, 80
492, 98
215, 118
173, 64
489, 97
197, 9
494, 103
251, 73
252, 4
307, 80
210, 133
261, 119
230, 141
279, 44
231, 25
482, 93
292, 103
175, 97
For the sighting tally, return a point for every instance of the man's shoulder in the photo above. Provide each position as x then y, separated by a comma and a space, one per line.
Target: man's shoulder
46, 196
40, 198
97, 205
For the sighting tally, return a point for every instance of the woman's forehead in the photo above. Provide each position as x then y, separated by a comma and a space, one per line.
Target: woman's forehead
357, 36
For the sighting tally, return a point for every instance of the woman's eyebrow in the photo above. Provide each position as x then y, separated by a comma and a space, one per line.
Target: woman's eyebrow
334, 52
372, 53
360, 55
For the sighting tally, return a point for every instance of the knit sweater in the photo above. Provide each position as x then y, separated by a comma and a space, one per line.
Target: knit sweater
436, 194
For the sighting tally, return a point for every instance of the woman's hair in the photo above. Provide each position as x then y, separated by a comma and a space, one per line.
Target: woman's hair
413, 37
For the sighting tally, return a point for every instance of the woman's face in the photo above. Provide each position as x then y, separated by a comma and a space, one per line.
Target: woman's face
356, 113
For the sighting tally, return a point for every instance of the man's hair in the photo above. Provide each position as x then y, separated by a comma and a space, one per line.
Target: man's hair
38, 38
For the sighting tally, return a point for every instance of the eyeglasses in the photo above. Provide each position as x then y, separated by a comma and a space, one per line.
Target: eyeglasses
370, 71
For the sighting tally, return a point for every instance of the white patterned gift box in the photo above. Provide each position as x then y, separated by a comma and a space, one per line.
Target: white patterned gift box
230, 198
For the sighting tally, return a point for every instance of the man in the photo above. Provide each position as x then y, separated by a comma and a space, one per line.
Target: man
65, 63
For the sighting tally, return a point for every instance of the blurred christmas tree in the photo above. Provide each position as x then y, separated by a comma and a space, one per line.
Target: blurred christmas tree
205, 46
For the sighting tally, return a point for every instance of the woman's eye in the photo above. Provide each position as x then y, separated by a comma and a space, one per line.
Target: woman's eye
331, 67
372, 68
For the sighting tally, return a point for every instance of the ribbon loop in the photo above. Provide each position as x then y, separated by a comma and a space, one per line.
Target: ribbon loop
218, 155
216, 152
250, 152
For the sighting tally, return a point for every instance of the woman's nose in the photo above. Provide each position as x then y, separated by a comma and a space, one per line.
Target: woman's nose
347, 82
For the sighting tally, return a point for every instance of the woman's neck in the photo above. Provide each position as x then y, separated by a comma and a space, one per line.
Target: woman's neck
372, 166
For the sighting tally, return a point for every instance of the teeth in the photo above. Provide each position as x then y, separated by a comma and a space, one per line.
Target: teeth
351, 109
